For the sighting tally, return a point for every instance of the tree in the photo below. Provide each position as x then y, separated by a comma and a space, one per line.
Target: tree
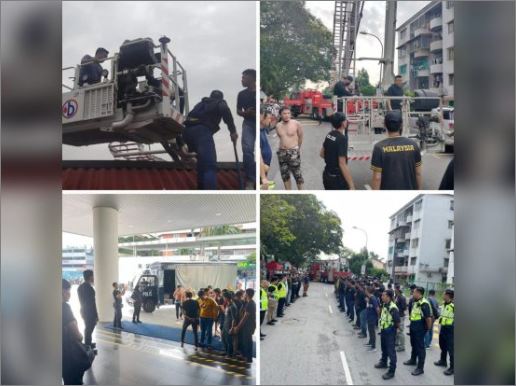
357, 260
219, 230
296, 228
362, 80
381, 274
294, 46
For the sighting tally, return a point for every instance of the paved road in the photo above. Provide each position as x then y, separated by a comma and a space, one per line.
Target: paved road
434, 164
305, 348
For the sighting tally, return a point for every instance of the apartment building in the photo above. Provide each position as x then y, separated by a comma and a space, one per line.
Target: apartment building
420, 240
426, 49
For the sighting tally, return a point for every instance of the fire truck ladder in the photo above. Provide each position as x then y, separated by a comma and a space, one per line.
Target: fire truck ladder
346, 22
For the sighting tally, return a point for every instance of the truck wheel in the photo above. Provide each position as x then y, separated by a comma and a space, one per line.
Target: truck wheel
149, 306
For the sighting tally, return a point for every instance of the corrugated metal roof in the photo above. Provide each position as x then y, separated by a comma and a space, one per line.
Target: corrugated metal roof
140, 175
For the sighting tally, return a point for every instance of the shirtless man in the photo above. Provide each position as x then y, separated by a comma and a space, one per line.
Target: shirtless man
290, 134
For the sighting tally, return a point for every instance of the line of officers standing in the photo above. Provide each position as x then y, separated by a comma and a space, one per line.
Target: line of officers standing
278, 293
390, 305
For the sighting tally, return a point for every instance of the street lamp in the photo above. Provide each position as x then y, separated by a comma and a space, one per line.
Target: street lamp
381, 44
365, 233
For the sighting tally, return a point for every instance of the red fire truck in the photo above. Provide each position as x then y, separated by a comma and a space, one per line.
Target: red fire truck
309, 102
327, 271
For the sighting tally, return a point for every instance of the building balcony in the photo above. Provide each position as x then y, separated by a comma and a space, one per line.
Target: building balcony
436, 68
402, 253
436, 45
402, 269
437, 90
422, 31
421, 53
423, 73
407, 236
436, 23
408, 219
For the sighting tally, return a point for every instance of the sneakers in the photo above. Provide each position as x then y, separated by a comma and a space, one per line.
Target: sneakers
448, 371
417, 371
380, 365
388, 375
440, 363
410, 362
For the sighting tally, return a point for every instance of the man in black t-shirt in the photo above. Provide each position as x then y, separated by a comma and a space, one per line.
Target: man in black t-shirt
396, 160
247, 325
191, 312
246, 108
343, 89
336, 175
395, 89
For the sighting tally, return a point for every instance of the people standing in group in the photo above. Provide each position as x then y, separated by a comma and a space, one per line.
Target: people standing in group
209, 311
117, 305
290, 133
350, 304
389, 322
220, 318
230, 322
360, 308
396, 160
191, 313
89, 313
246, 108
446, 335
420, 322
282, 296
334, 151
137, 297
401, 303
179, 298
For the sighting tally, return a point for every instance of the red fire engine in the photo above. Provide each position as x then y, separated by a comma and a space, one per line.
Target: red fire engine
309, 102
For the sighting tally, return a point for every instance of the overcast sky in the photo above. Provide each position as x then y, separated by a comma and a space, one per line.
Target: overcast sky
373, 20
214, 41
369, 210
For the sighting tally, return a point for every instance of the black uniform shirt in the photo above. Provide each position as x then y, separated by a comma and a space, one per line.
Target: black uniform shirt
394, 90
246, 100
191, 308
396, 158
335, 145
87, 299
209, 112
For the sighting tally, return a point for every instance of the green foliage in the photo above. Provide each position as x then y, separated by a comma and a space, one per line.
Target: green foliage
380, 274
362, 80
184, 251
294, 46
251, 258
296, 228
219, 230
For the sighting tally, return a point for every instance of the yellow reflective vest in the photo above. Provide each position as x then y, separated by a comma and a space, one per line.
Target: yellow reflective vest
386, 320
264, 300
448, 315
416, 314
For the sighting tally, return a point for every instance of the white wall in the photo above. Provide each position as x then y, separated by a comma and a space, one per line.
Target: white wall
434, 232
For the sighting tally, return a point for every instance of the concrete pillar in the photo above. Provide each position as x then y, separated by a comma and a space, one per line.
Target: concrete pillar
105, 242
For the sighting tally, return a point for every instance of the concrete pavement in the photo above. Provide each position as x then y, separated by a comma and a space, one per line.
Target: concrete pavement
315, 344
434, 164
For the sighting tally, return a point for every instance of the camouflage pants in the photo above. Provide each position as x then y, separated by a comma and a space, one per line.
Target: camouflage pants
290, 162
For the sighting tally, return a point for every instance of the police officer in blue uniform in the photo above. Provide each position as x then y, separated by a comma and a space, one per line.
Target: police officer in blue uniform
420, 322
202, 122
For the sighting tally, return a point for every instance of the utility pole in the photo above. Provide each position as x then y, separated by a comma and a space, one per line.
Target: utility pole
389, 42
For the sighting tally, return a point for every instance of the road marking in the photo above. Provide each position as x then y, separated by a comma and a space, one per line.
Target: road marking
346, 368
367, 186
329, 307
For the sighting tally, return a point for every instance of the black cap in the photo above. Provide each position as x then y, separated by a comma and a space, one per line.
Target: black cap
450, 292
389, 293
217, 94
413, 286
349, 77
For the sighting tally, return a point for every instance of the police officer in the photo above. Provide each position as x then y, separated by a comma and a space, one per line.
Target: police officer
89, 313
117, 305
200, 125
282, 296
389, 323
137, 297
264, 304
446, 320
336, 175
91, 71
272, 291
420, 321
